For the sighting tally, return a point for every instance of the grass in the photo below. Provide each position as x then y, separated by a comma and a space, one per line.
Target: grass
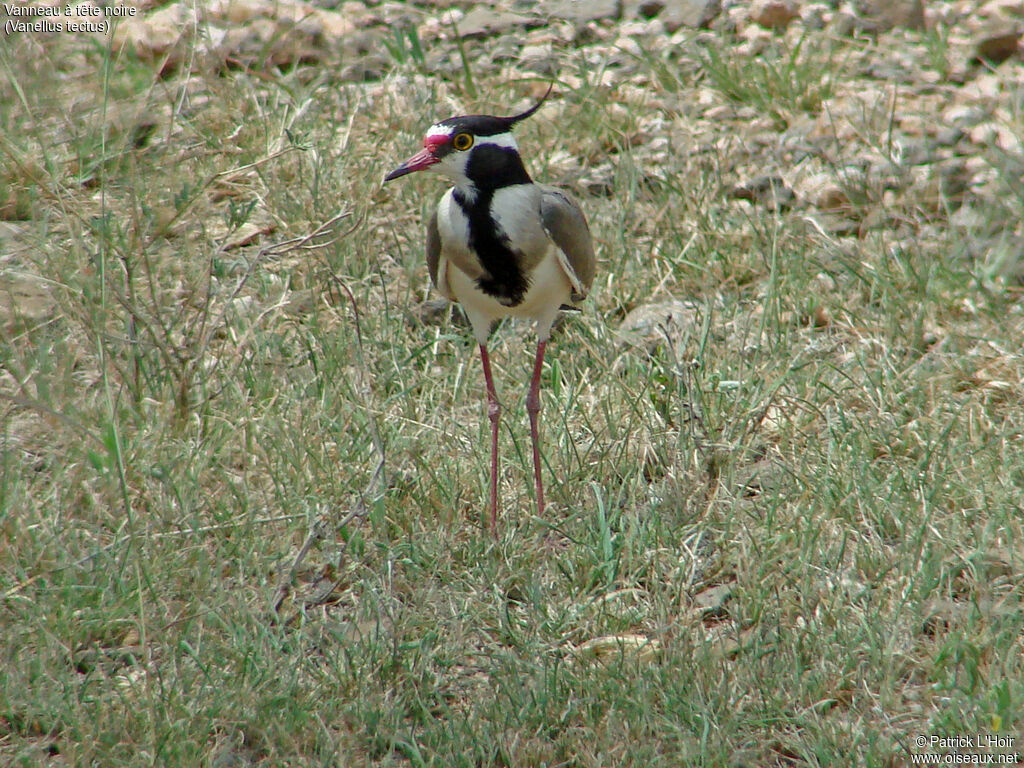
242, 485
783, 81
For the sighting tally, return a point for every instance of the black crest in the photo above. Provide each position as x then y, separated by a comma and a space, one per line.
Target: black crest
510, 121
490, 125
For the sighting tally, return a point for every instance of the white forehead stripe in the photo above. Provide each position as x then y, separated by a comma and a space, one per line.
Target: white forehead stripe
506, 140
439, 130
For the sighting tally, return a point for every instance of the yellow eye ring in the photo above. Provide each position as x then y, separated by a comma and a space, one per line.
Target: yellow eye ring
462, 141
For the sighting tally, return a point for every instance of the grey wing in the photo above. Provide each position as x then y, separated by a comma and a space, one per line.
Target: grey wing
567, 227
434, 266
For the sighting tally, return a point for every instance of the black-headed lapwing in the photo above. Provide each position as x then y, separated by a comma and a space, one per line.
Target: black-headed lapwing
501, 245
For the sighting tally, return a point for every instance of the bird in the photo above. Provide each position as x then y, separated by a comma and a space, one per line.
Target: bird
502, 245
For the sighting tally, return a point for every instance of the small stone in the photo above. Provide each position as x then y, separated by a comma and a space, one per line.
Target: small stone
395, 14
1002, 8
813, 18
821, 317
835, 224
651, 325
484, 22
599, 181
996, 134
844, 24
628, 46
882, 15
695, 14
356, 11
24, 301
648, 9
774, 14
612, 648
998, 43
948, 136
246, 234
769, 191
984, 134
538, 58
367, 68
720, 113
436, 312
710, 602
962, 116
824, 193
158, 36
581, 11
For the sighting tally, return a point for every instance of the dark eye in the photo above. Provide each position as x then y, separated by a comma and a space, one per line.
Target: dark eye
462, 141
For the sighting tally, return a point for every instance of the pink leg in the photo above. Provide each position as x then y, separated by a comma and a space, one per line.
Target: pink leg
494, 414
533, 408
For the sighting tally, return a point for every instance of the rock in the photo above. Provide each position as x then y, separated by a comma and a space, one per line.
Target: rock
366, 68
484, 22
710, 602
646, 9
876, 16
436, 312
581, 11
625, 51
813, 18
995, 134
844, 24
769, 191
1002, 7
962, 116
613, 648
695, 14
774, 14
538, 58
505, 49
237, 11
599, 180
356, 12
651, 325
311, 20
246, 234
835, 224
954, 182
16, 204
25, 301
948, 136
394, 14
998, 42
823, 192
157, 36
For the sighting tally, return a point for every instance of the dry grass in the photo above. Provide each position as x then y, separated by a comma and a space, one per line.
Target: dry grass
784, 530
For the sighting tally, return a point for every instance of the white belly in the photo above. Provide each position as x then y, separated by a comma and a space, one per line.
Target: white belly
549, 289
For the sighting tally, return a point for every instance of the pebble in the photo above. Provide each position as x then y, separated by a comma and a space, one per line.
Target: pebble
774, 14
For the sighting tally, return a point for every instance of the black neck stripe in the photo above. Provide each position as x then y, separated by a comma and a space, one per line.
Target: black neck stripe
504, 279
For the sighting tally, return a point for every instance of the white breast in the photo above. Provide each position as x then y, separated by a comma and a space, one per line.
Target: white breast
516, 210
549, 290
